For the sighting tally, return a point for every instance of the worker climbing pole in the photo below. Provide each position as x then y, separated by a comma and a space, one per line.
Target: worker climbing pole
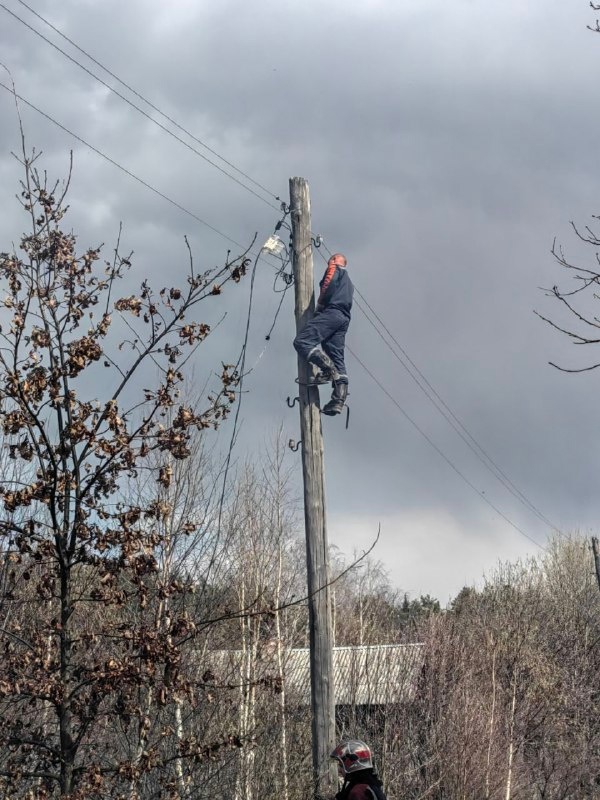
317, 555
322, 339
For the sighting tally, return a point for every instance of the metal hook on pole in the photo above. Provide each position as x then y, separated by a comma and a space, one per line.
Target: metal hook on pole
293, 402
293, 445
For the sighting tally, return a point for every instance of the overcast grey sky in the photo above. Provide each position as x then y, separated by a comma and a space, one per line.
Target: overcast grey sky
446, 145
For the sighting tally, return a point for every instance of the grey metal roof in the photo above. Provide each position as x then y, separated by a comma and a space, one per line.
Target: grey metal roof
363, 675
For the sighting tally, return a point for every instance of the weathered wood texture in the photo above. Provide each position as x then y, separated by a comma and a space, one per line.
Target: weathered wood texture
317, 555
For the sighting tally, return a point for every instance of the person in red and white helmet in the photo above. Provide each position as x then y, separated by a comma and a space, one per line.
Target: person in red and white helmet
355, 766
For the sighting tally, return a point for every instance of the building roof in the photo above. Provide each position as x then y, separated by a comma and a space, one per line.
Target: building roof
363, 674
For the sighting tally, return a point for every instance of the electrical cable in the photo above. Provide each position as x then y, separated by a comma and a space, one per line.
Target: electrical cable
122, 168
240, 367
148, 102
288, 279
441, 406
522, 497
479, 452
457, 426
140, 110
128, 172
268, 335
199, 219
441, 453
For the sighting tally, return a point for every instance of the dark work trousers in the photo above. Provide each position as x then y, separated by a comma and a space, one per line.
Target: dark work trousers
328, 329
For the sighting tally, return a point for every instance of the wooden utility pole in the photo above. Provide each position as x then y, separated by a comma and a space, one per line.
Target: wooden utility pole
317, 551
596, 552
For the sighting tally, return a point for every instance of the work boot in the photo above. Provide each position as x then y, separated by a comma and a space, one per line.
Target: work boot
338, 399
324, 364
318, 379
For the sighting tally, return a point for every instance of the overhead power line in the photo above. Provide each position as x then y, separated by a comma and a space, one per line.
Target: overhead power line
141, 110
181, 208
122, 168
442, 407
450, 417
441, 452
461, 429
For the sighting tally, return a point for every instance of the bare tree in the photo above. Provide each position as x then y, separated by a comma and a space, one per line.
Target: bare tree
579, 299
75, 552
596, 27
508, 702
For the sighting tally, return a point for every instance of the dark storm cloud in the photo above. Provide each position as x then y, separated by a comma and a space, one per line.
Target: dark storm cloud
445, 147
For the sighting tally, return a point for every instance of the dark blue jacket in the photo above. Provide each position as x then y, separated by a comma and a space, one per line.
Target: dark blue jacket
337, 292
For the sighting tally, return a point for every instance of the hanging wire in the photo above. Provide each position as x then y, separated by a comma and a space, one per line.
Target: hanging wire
317, 239
285, 257
148, 102
440, 452
240, 369
451, 418
268, 335
491, 466
145, 113
280, 272
122, 168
